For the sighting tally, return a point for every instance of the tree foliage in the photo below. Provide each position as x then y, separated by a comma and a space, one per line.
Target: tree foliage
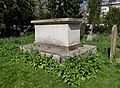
2, 25
16, 12
64, 8
41, 9
94, 11
112, 18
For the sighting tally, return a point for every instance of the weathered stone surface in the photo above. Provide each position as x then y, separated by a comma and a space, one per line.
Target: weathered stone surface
113, 39
59, 38
57, 34
91, 37
118, 60
60, 32
59, 55
46, 47
91, 29
57, 21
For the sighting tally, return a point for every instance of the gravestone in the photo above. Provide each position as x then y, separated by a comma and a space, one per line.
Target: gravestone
91, 29
113, 39
91, 36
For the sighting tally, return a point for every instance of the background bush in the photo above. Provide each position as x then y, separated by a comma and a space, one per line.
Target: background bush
112, 18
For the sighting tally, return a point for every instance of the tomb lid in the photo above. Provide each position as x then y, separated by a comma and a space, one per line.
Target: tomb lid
57, 20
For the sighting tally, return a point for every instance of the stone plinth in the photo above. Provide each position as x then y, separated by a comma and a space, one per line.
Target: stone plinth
59, 55
62, 33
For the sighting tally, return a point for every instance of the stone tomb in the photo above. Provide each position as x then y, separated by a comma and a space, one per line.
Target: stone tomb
58, 33
58, 37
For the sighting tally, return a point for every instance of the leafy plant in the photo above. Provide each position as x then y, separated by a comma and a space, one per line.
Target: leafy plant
72, 71
14, 72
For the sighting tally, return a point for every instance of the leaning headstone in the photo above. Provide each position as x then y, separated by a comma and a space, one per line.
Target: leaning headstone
113, 39
91, 36
91, 29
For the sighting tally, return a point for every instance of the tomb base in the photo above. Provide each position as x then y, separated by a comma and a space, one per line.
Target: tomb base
65, 49
60, 53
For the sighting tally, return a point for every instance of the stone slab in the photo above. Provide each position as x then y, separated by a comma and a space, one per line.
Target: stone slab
46, 47
57, 21
59, 55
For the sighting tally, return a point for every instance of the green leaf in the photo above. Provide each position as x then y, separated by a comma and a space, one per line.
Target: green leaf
66, 80
82, 78
41, 67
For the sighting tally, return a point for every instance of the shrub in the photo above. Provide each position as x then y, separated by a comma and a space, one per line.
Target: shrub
112, 18
102, 29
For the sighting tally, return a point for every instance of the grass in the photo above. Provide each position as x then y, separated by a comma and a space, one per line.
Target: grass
21, 76
109, 76
16, 74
